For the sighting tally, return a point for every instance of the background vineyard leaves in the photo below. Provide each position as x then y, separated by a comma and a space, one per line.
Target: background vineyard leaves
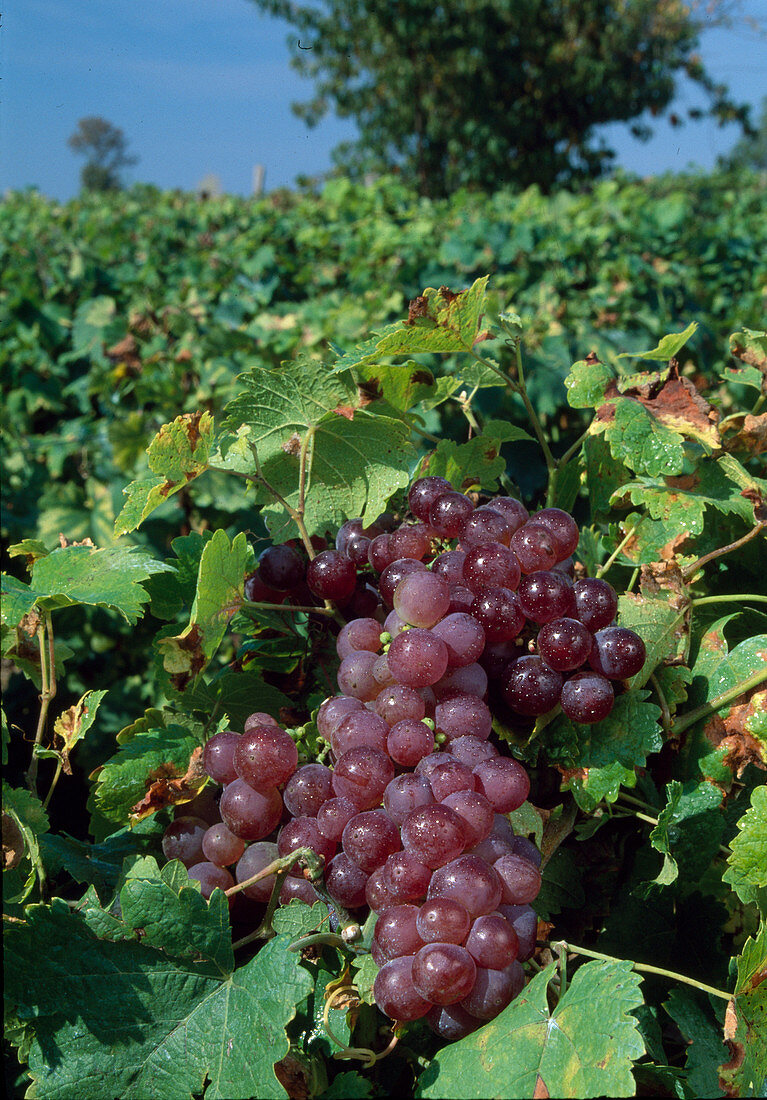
660, 791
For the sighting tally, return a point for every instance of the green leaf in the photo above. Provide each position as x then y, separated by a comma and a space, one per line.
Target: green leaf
235, 694
689, 830
348, 1086
642, 442
220, 592
659, 624
123, 781
745, 1027
304, 417
527, 821
476, 464
96, 865
70, 575
365, 969
584, 1048
587, 383
747, 863
608, 751
750, 346
562, 885
151, 1014
668, 347
32, 821
439, 321
177, 455
705, 1047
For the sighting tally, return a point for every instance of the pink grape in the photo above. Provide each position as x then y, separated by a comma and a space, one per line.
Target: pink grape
183, 838
417, 658
443, 920
265, 757
422, 599
443, 973
433, 834
493, 990
248, 813
470, 880
395, 993
254, 860
362, 775
503, 782
307, 789
218, 754
370, 838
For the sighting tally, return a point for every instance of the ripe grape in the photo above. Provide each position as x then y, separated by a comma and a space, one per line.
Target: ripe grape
530, 687
563, 529
534, 547
355, 675
451, 1022
424, 492
503, 782
545, 595
333, 815
254, 860
450, 566
476, 812
411, 541
394, 573
307, 789
513, 511
331, 576
217, 757
405, 877
617, 653
281, 567
422, 599
370, 838
406, 793
485, 525
470, 880
395, 993
596, 603
443, 920
182, 840
304, 832
417, 658
248, 813
469, 680
463, 715
587, 697
221, 846
397, 702
463, 636
396, 933
499, 612
493, 990
210, 877
520, 879
409, 741
450, 776
362, 775
345, 881
443, 973
448, 513
265, 757
491, 565
564, 644
362, 727
471, 750
433, 834
492, 942
363, 633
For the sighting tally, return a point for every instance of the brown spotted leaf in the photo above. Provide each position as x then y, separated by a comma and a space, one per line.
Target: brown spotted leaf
745, 1025
168, 788
177, 455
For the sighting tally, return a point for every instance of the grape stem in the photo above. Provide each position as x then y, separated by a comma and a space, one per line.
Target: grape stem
626, 539
720, 701
47, 694
362, 1054
735, 597
279, 868
248, 605
645, 967
696, 566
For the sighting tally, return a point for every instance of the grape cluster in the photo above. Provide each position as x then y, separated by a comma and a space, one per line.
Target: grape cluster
456, 605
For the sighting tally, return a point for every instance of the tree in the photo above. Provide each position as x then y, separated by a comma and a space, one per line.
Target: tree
751, 150
484, 92
105, 148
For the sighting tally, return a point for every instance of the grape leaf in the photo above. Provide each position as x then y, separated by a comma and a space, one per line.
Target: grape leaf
600, 758
161, 750
583, 1048
235, 694
177, 455
98, 865
587, 383
747, 863
562, 885
220, 592
70, 575
304, 418
32, 822
151, 1014
347, 1086
705, 1048
689, 830
745, 1023
750, 346
642, 442
476, 464
440, 321
659, 624
668, 347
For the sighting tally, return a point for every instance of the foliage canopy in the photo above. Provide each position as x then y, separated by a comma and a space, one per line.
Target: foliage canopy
105, 148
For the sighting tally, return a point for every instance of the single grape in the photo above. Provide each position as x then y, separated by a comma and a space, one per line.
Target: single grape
530, 687
520, 879
492, 942
359, 634
304, 832
355, 675
587, 697
265, 757
333, 711
218, 754
345, 881
380, 553
406, 793
259, 718
545, 595
449, 565
377, 894
406, 878
451, 1022
524, 920
221, 846
258, 591
461, 599
493, 990
443, 973
358, 729
422, 599
504, 783
469, 680
476, 812
281, 567
443, 920
499, 613
463, 715
491, 565
331, 576
450, 776
596, 603
395, 993
417, 658
370, 838
617, 653
182, 840
396, 933
523, 846
411, 541
362, 775
427, 764
248, 813
463, 636
307, 789
513, 511
409, 741
433, 834
534, 547
333, 815
397, 703
448, 513
564, 644
485, 525
471, 750
297, 889
394, 573
470, 880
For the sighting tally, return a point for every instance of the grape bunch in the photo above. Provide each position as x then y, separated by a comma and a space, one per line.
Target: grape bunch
457, 611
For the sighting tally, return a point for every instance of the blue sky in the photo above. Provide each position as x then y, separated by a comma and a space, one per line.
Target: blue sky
204, 86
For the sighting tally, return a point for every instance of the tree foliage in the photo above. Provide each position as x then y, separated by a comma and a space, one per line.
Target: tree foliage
485, 92
750, 152
105, 148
